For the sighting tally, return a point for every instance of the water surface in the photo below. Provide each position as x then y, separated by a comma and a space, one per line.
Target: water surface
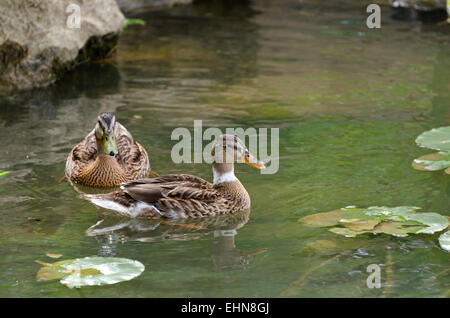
349, 103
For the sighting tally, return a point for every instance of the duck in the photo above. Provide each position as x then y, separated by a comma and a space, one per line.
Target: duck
186, 196
107, 156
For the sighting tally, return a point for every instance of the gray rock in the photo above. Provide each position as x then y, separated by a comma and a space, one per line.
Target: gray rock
37, 43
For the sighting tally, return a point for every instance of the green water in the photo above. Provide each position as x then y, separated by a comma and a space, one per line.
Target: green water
348, 101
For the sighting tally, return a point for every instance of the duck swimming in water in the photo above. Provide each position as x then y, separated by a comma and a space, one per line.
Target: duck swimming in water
107, 156
183, 195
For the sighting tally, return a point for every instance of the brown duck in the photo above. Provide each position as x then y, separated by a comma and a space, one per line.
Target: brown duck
183, 195
107, 156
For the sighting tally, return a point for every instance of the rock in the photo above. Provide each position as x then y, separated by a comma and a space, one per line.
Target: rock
130, 5
37, 43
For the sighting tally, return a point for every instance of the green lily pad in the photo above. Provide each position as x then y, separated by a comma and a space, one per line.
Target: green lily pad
397, 221
433, 162
91, 271
437, 139
387, 227
351, 213
444, 241
434, 221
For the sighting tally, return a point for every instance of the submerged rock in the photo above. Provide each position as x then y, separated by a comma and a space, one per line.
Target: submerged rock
42, 39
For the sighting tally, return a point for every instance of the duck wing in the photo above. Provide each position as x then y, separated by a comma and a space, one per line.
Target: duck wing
84, 153
173, 186
178, 195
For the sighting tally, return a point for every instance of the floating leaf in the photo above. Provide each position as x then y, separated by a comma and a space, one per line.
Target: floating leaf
384, 212
396, 228
359, 225
349, 220
397, 221
50, 273
91, 271
437, 139
444, 241
323, 219
345, 231
433, 162
2, 174
434, 221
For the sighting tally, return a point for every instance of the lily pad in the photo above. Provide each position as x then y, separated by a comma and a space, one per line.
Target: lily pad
433, 162
397, 229
359, 225
323, 219
437, 139
345, 231
434, 221
444, 241
91, 271
397, 221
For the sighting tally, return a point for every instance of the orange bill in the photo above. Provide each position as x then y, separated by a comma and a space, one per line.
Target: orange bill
253, 161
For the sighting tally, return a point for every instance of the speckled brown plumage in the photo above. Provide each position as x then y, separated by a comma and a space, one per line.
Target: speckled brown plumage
180, 196
183, 195
85, 166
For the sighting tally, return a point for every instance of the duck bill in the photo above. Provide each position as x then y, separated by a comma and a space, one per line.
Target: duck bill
109, 144
254, 162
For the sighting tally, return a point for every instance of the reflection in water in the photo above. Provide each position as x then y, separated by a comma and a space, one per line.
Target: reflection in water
113, 229
42, 125
425, 16
226, 256
349, 103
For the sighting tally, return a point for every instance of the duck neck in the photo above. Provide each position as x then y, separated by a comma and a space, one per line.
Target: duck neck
226, 182
223, 172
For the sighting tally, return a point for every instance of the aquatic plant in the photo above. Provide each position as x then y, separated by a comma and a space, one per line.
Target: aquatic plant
132, 21
91, 271
397, 221
444, 241
436, 139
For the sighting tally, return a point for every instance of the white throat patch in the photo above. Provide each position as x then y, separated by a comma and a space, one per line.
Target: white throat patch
225, 177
